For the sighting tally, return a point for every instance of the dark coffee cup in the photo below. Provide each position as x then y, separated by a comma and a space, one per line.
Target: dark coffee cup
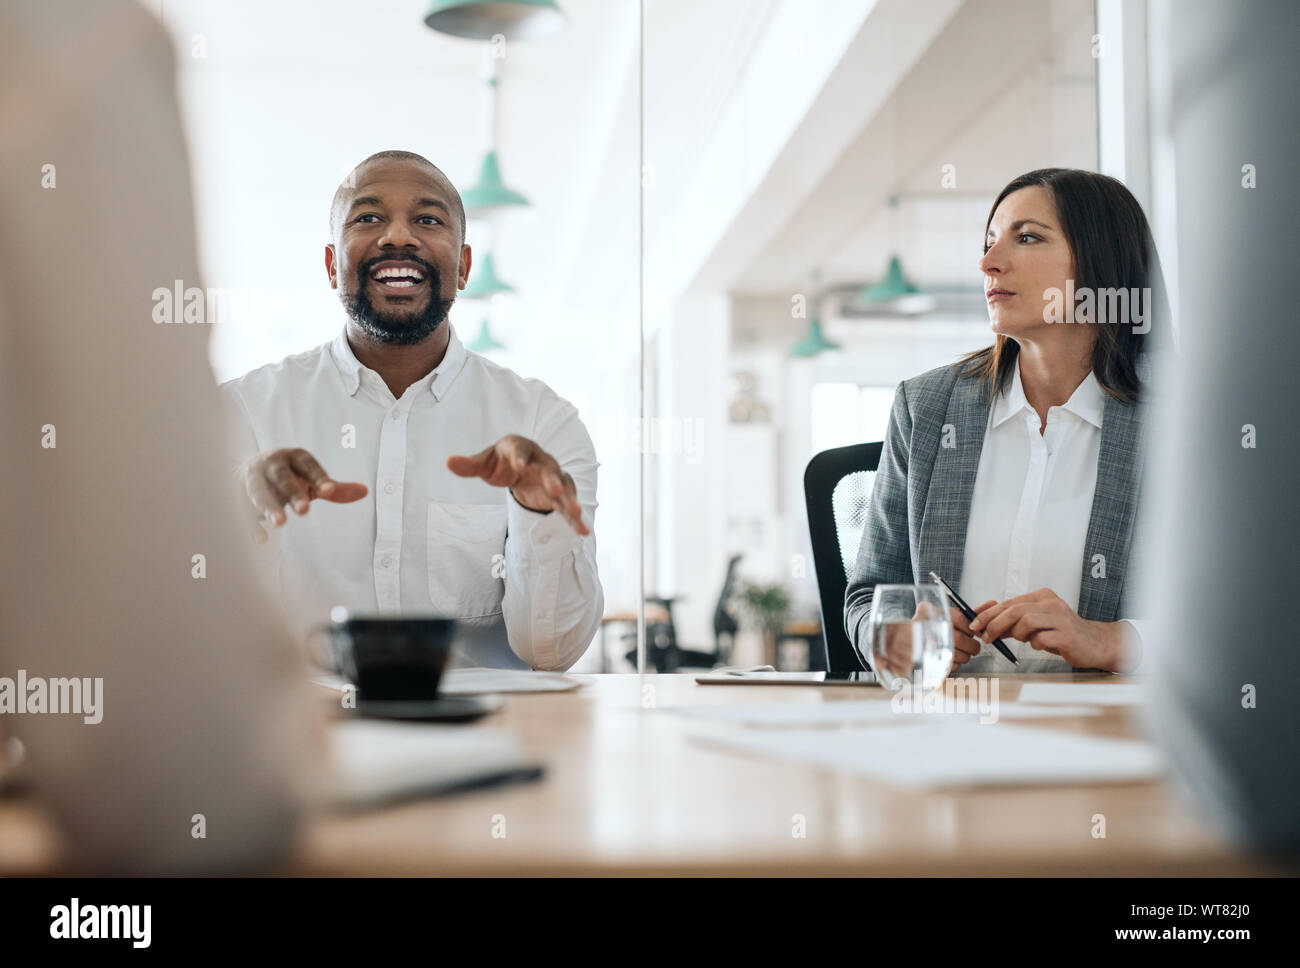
392, 657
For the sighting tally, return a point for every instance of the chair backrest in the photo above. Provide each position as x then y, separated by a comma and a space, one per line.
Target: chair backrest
837, 487
722, 619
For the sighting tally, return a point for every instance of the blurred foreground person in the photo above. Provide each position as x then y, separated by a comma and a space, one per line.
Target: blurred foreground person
124, 558
1226, 443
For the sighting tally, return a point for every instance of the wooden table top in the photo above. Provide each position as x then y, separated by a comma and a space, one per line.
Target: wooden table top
627, 791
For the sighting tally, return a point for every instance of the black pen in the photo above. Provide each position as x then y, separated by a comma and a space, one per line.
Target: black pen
970, 616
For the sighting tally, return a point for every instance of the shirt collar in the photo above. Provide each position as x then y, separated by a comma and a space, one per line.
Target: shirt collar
1087, 401
1010, 401
438, 381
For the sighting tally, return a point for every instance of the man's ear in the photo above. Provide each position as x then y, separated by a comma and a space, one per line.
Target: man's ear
466, 260
331, 265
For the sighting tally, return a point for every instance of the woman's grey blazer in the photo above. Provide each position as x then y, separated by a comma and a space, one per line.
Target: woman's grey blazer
920, 502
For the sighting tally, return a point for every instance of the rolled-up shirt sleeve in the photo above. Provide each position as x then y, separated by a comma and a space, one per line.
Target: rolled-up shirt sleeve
553, 599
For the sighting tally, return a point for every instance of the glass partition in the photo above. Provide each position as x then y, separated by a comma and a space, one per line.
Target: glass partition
817, 178
750, 222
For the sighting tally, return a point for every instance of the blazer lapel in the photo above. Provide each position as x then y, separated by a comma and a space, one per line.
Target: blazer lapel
952, 481
1114, 508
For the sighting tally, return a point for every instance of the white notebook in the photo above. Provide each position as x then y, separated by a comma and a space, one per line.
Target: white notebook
376, 761
475, 681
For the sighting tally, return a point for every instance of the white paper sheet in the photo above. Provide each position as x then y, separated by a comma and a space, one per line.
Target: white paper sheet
953, 753
1101, 694
880, 712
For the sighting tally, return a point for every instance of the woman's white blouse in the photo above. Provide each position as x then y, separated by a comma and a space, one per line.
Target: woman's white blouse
1030, 509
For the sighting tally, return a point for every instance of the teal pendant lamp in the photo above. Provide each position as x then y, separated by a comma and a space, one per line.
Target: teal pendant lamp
893, 286
490, 192
484, 282
483, 342
814, 341
485, 19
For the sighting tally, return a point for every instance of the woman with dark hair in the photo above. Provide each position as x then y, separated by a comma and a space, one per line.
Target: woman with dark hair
1014, 473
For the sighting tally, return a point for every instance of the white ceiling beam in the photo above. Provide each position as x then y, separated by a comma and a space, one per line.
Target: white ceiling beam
818, 73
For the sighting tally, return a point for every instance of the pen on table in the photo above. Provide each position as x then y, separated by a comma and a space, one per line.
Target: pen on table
970, 616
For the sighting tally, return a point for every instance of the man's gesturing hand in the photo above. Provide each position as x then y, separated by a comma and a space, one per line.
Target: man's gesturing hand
534, 477
291, 476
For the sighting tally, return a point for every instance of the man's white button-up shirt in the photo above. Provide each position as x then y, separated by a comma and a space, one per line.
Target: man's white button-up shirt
424, 540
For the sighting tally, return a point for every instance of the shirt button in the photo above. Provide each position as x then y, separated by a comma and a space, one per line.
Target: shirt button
386, 562
389, 488
396, 413
544, 539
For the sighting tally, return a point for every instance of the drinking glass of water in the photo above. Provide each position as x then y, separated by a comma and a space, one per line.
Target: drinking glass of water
910, 635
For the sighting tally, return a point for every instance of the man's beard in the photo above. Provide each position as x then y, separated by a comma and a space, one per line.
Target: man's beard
400, 329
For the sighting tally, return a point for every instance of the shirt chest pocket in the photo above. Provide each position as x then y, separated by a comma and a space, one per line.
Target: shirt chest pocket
466, 546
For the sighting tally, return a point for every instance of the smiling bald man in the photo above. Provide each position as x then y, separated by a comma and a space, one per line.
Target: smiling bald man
437, 481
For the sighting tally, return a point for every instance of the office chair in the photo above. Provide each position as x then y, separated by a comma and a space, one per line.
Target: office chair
837, 487
662, 650
724, 623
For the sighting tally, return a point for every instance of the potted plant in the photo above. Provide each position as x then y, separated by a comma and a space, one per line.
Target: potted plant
767, 606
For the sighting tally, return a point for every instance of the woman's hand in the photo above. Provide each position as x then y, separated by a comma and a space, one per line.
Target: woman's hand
1046, 622
964, 646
